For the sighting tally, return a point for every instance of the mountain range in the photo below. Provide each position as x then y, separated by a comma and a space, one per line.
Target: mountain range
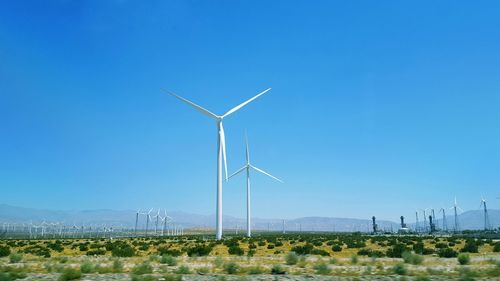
11, 214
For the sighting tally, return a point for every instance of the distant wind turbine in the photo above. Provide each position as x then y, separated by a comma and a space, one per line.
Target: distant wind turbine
455, 208
486, 218
247, 168
221, 150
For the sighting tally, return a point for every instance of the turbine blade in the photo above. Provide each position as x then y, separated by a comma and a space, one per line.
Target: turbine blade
223, 144
239, 171
265, 173
197, 107
243, 104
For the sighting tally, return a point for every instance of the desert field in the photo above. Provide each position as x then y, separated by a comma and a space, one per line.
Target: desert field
263, 257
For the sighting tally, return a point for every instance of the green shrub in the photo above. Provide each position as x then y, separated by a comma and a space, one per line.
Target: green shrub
396, 251
336, 248
167, 251
56, 246
255, 270
169, 260
70, 274
278, 270
418, 248
322, 269
15, 257
354, 259
203, 270
496, 248
303, 250
199, 250
236, 250
218, 262
412, 258
183, 269
117, 266
494, 272
447, 253
333, 261
463, 259
143, 268
320, 252
291, 258
470, 247
87, 267
4, 251
123, 250
400, 269
231, 268
10, 276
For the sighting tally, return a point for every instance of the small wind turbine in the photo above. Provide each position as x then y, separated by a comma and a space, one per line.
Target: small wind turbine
221, 151
136, 221
247, 168
148, 218
486, 218
157, 221
455, 208
416, 222
445, 224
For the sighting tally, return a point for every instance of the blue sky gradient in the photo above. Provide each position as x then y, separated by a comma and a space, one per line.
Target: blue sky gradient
377, 108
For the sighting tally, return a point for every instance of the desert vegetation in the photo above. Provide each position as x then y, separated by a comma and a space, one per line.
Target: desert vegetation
264, 257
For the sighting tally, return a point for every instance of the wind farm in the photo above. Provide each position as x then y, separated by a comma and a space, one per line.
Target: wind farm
249, 141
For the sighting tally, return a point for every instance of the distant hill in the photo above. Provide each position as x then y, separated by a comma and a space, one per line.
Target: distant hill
126, 218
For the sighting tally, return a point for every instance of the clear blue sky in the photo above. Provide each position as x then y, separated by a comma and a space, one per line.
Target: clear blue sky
377, 107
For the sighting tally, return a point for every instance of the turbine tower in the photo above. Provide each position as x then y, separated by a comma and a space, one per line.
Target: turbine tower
433, 218
148, 218
247, 168
486, 218
455, 208
136, 222
445, 224
221, 151
416, 221
425, 220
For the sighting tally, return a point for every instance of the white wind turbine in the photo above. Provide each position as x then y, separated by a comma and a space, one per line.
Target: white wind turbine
455, 209
221, 150
486, 218
247, 168
148, 218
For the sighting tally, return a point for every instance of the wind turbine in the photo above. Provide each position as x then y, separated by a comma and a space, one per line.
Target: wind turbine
486, 218
136, 221
445, 224
165, 221
247, 168
148, 218
455, 208
157, 221
221, 150
416, 222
